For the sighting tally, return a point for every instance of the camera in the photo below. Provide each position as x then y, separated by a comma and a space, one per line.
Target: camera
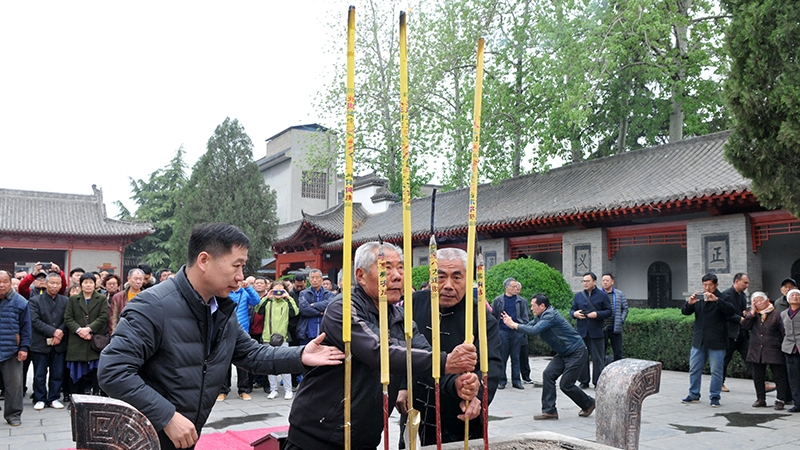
46, 266
701, 296
278, 292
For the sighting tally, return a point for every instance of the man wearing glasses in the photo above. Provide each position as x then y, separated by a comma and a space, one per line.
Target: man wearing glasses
591, 307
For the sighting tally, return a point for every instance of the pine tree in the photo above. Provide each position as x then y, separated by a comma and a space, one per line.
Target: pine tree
226, 186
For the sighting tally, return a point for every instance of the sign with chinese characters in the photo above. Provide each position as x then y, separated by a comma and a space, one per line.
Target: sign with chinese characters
716, 253
491, 260
583, 259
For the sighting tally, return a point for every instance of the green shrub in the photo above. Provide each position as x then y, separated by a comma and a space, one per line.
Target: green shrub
535, 276
419, 275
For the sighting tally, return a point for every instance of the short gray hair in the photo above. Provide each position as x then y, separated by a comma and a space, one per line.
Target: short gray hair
134, 270
507, 282
757, 295
367, 255
314, 271
451, 253
53, 275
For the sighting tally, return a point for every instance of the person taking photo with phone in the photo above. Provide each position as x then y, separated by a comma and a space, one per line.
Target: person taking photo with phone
275, 309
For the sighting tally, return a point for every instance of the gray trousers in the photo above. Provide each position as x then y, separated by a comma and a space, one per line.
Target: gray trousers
11, 371
568, 368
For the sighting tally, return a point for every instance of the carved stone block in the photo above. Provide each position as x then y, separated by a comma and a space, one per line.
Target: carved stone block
105, 423
621, 389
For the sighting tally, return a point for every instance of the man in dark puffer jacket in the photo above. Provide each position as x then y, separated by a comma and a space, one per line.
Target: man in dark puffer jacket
175, 341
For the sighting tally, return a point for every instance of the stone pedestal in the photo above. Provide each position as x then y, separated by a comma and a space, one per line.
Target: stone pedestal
106, 423
622, 387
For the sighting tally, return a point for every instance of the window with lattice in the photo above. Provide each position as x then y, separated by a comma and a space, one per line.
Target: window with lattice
315, 184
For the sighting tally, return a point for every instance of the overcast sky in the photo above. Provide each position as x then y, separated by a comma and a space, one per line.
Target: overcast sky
94, 92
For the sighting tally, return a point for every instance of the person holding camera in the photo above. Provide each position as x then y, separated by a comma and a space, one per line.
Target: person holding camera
37, 278
709, 339
275, 309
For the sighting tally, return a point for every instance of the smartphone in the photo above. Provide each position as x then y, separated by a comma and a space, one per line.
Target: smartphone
278, 292
49, 341
46, 266
701, 296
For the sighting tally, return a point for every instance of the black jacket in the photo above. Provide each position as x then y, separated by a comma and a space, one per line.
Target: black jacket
710, 322
47, 315
452, 332
597, 301
739, 300
164, 358
317, 417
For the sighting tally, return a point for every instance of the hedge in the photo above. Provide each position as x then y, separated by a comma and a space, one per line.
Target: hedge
535, 277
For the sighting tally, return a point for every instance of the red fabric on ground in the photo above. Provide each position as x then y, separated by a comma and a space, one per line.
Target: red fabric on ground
232, 440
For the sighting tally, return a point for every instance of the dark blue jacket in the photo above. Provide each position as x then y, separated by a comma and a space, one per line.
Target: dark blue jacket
555, 331
311, 316
586, 302
15, 325
47, 315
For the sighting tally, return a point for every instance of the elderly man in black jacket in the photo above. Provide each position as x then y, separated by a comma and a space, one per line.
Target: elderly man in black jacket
175, 341
48, 343
317, 417
709, 339
452, 309
591, 308
738, 336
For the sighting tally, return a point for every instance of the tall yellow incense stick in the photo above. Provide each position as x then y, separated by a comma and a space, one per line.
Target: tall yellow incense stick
413, 415
484, 349
347, 253
383, 313
473, 208
435, 331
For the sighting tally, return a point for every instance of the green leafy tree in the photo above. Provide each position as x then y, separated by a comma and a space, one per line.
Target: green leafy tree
420, 274
763, 94
226, 186
535, 277
157, 201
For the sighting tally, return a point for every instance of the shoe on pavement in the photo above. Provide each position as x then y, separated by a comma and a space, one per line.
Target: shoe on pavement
55, 404
587, 412
272, 395
518, 386
715, 403
528, 381
724, 389
779, 405
690, 399
288, 395
760, 404
769, 387
501, 386
221, 397
546, 416
794, 409
245, 396
38, 406
15, 422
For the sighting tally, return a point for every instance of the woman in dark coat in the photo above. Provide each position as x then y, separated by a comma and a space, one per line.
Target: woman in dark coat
86, 314
766, 338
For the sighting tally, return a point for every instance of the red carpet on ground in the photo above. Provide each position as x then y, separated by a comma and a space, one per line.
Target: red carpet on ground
233, 440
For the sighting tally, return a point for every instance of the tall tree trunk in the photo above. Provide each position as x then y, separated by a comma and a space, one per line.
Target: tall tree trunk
681, 29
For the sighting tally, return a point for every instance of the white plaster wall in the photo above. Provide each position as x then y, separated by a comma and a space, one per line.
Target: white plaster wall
279, 178
90, 260
777, 256
630, 264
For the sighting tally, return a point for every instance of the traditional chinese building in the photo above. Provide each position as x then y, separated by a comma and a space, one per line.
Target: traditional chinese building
67, 229
657, 218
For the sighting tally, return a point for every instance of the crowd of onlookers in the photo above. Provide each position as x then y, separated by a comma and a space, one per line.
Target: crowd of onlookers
60, 325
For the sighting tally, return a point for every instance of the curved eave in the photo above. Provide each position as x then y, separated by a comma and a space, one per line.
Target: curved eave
678, 206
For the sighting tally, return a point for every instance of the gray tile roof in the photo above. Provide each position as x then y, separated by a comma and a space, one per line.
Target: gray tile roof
329, 223
62, 214
693, 168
